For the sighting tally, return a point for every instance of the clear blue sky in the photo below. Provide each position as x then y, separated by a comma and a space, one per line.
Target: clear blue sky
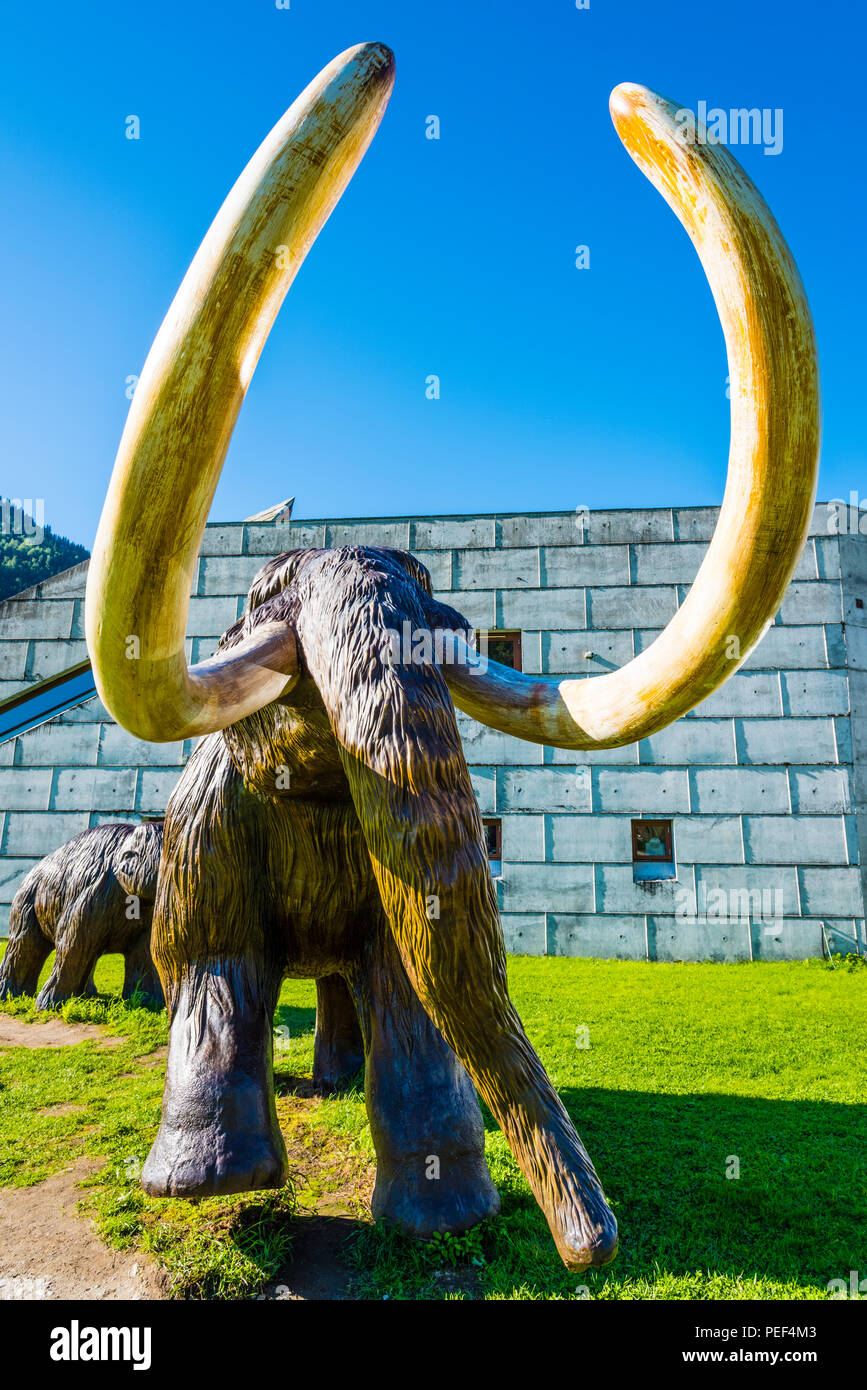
560, 387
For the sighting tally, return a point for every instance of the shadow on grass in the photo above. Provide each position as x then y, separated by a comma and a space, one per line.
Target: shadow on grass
733, 1186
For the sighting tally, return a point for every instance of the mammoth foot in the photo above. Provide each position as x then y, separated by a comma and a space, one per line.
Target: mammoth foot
420, 1200
219, 1131
193, 1162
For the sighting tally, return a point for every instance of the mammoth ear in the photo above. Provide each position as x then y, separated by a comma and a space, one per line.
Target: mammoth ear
400, 747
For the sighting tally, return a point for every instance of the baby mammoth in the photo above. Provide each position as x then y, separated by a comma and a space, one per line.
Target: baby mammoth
92, 896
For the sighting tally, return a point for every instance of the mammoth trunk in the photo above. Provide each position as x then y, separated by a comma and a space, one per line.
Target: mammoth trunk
400, 747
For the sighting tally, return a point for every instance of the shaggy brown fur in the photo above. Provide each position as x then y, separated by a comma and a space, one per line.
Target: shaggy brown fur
311, 839
91, 897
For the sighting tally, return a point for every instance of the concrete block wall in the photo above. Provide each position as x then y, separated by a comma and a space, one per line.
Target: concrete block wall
765, 781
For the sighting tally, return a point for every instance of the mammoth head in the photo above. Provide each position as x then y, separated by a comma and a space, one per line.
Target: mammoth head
202, 360
137, 863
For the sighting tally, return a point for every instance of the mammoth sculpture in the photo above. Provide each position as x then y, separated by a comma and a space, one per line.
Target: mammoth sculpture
91, 897
330, 802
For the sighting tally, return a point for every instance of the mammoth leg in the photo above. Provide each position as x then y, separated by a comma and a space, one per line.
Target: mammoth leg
78, 950
338, 1049
424, 1113
210, 941
27, 950
140, 974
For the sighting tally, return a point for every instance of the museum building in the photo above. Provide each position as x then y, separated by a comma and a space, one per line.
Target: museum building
738, 833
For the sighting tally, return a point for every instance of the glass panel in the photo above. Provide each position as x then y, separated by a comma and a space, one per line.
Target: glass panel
45, 700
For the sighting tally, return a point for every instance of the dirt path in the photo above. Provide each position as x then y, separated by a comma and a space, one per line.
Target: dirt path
14, 1032
47, 1250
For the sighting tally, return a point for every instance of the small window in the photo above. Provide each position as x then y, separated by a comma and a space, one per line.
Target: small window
652, 850
501, 646
494, 842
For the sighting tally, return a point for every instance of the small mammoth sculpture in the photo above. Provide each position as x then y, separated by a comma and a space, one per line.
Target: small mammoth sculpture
91, 897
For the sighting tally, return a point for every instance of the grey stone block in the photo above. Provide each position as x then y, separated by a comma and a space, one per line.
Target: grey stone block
38, 833
554, 528
484, 780
718, 838
488, 746
691, 741
642, 791
750, 890
543, 789
588, 839
827, 557
478, 606
524, 933
812, 603
523, 839
391, 532
210, 617
12, 871
618, 892
227, 574
155, 786
274, 538
51, 658
786, 741
496, 569
438, 563
531, 652
21, 619
598, 936
634, 607
792, 648
69, 583
617, 527
831, 892
4, 921
55, 744
542, 608
786, 939
694, 523
795, 840
13, 660
117, 747
823, 790
453, 533
752, 693
625, 756
222, 539
563, 652
856, 647
25, 788
93, 789
546, 887
670, 939
572, 566
815, 692
666, 564
716, 791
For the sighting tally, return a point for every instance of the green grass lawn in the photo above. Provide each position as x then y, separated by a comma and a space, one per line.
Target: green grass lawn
691, 1073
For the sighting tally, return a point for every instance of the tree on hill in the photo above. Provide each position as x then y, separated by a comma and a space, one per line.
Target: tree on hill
29, 550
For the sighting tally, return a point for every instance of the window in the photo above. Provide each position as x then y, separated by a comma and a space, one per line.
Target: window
501, 646
493, 828
652, 850
43, 701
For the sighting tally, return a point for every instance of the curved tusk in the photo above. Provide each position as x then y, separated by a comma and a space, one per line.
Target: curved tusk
185, 406
773, 463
